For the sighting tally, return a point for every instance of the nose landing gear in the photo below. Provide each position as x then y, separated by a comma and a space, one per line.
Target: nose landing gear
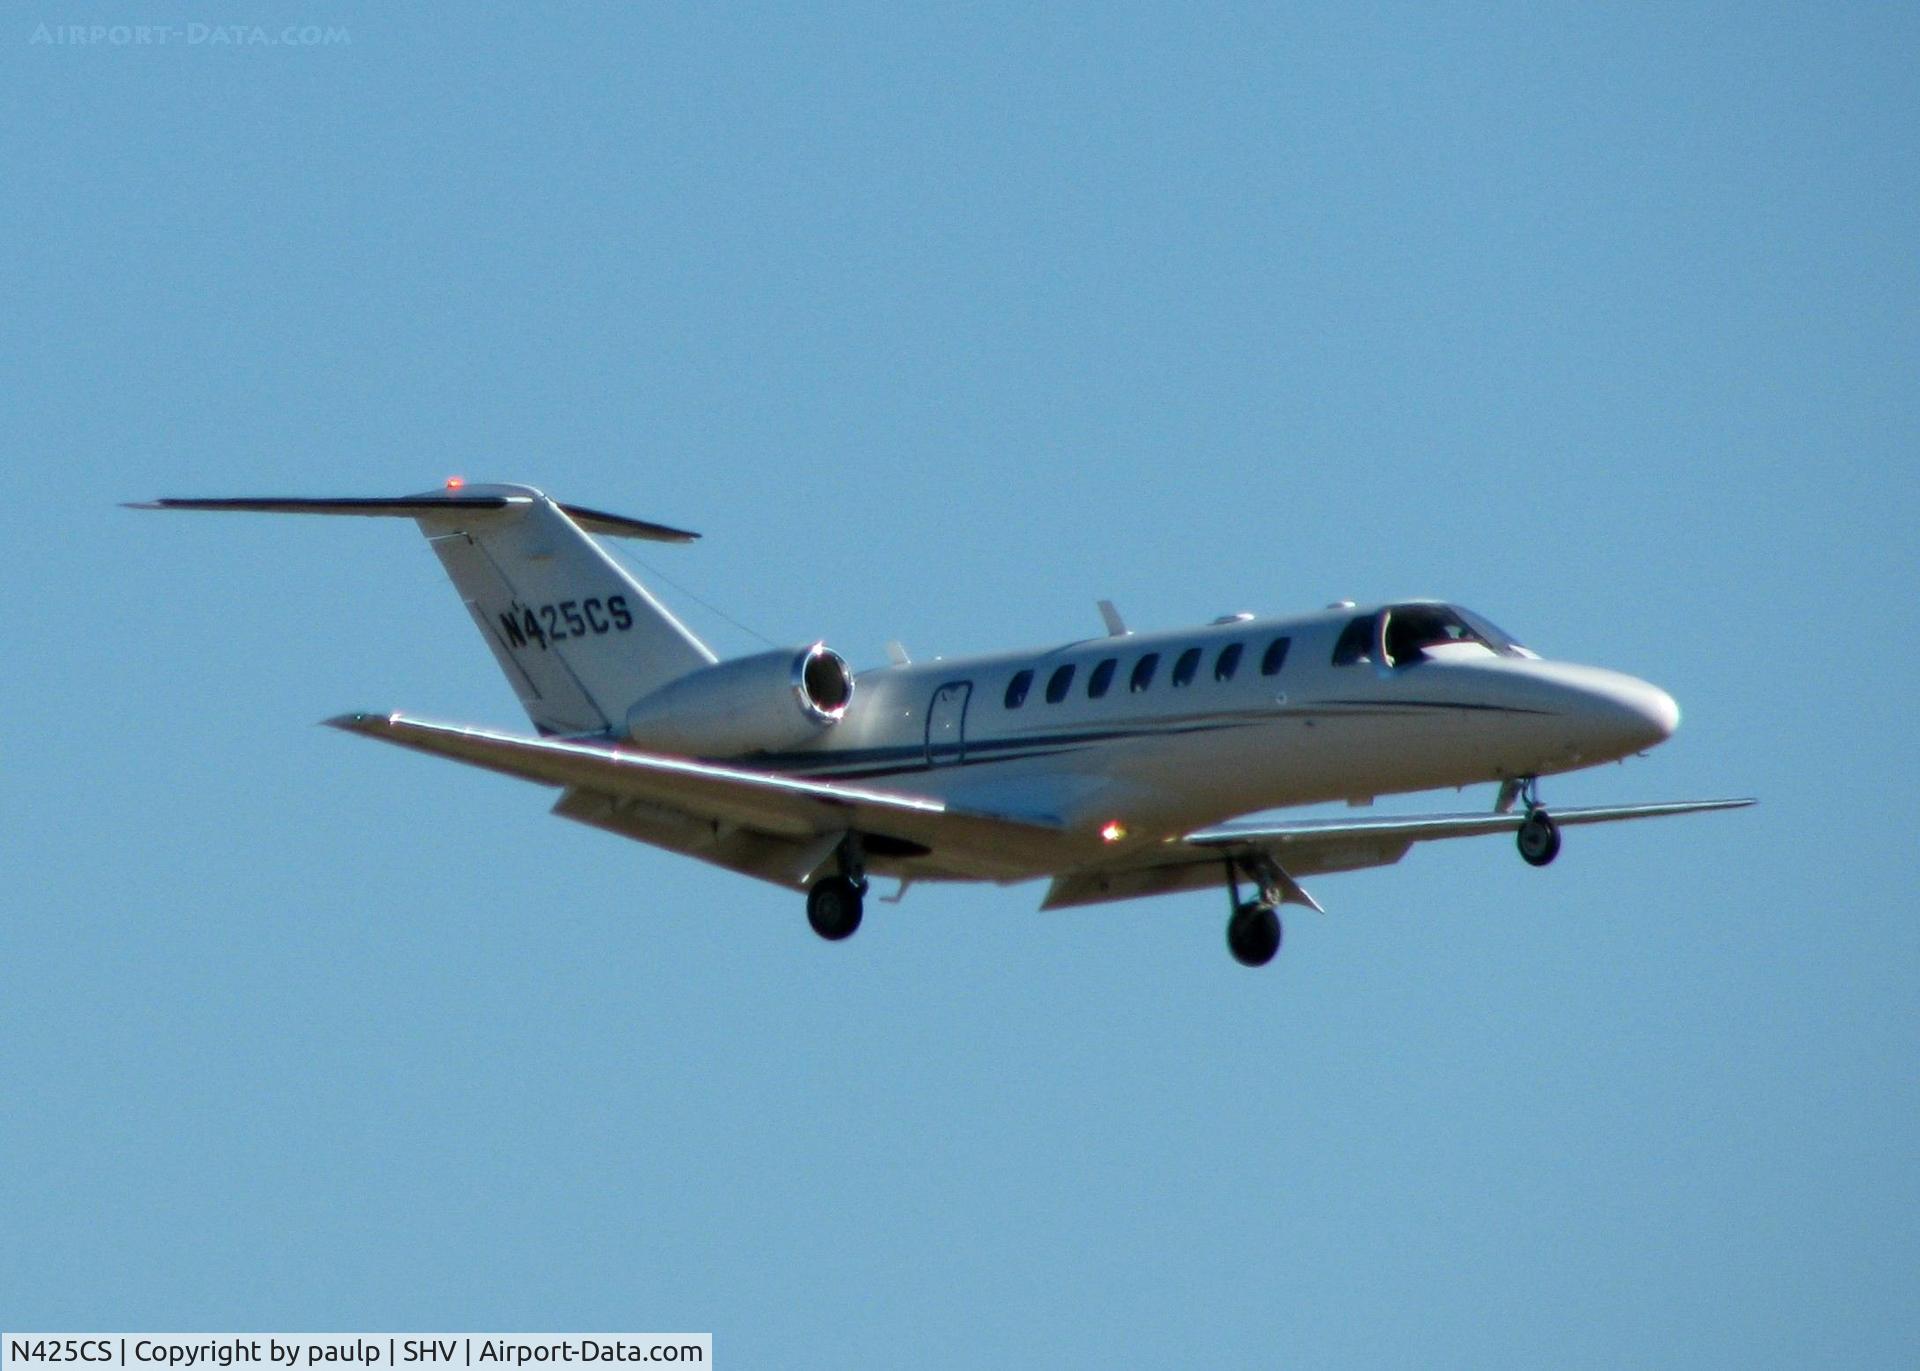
1538, 839
1539, 836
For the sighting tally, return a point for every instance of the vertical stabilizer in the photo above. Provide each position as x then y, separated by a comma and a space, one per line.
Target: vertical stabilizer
579, 639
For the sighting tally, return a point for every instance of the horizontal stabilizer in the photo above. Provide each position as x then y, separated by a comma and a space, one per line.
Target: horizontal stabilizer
576, 635
620, 526
433, 503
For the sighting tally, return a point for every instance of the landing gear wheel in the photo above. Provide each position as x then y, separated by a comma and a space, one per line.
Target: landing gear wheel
1539, 839
1253, 934
834, 907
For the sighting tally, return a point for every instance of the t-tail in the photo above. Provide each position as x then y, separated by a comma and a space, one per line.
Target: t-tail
577, 636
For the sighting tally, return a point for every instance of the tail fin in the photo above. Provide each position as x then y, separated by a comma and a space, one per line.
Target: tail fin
579, 639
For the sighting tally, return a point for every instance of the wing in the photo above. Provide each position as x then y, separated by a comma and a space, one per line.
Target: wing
779, 828
1310, 847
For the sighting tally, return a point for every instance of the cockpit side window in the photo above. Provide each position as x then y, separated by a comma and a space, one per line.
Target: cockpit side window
1356, 642
1412, 629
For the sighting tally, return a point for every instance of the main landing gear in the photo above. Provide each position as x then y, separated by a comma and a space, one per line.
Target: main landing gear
836, 902
1254, 932
834, 907
1539, 836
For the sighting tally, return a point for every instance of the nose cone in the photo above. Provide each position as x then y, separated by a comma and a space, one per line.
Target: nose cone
1642, 713
1601, 715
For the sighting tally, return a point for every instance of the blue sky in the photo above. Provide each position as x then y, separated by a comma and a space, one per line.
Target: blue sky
941, 325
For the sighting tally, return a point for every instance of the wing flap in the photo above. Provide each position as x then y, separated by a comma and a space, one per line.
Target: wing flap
783, 861
1001, 846
1185, 868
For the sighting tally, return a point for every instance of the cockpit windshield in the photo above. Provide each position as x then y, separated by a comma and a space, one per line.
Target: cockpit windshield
1417, 632
1492, 635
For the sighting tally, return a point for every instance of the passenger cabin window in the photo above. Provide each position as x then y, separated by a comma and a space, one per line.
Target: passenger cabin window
1017, 689
1143, 672
1059, 684
1101, 678
1227, 662
1356, 642
1275, 656
1184, 668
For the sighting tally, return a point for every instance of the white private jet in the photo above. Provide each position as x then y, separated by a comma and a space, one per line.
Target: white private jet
1114, 765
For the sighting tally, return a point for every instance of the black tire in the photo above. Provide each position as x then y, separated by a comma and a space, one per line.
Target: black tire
1253, 934
1538, 839
834, 906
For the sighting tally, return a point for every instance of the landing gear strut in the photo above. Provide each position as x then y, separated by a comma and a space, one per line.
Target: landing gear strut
1539, 836
836, 902
1254, 932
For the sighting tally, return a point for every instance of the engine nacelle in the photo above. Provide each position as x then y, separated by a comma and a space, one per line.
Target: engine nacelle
764, 703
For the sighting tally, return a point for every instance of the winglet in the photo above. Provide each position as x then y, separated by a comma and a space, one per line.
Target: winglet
1116, 626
